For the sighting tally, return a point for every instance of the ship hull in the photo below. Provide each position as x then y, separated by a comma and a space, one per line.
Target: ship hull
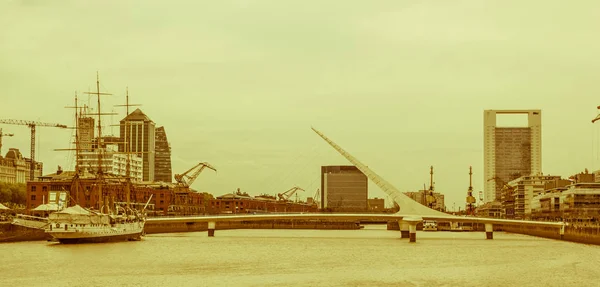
70, 234
100, 239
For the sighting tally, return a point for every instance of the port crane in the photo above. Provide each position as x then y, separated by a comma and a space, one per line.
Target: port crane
32, 125
470, 208
317, 197
184, 180
286, 195
3, 135
429, 197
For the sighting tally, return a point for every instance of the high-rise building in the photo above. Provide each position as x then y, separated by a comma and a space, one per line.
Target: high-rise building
510, 152
343, 188
162, 161
85, 133
137, 132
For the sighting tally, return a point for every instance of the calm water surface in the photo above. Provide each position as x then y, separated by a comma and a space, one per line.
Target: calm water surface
369, 257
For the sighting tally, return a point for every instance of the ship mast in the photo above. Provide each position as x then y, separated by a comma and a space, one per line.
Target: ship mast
75, 182
127, 150
77, 115
99, 176
76, 176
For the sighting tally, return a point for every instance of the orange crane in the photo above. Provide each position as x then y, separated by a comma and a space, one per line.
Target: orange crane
185, 180
32, 125
286, 195
3, 135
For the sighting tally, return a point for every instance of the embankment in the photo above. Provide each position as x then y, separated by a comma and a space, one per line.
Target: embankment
589, 235
152, 228
580, 234
14, 233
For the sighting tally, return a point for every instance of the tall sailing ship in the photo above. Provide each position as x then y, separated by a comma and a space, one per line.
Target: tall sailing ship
111, 221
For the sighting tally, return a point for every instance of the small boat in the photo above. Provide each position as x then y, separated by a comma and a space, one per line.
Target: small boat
429, 225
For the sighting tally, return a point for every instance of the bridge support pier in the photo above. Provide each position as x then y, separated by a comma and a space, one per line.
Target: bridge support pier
211, 229
489, 231
562, 232
412, 228
403, 229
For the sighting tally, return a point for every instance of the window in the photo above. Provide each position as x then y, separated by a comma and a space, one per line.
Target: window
33, 197
33, 188
44, 188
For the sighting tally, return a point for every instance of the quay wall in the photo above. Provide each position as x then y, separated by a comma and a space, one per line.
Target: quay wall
15, 233
152, 228
580, 234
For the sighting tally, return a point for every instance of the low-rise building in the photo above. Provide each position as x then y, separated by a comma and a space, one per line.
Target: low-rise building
490, 209
421, 197
376, 204
237, 202
517, 195
14, 168
581, 201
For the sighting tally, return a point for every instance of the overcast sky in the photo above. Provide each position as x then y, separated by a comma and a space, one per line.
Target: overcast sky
400, 84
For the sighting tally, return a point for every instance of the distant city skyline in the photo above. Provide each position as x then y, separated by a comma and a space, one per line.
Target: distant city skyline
400, 85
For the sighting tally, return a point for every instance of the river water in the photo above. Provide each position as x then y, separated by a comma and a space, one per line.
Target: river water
372, 256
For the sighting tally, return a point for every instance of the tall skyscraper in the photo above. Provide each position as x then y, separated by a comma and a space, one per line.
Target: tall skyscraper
162, 162
510, 152
137, 131
343, 188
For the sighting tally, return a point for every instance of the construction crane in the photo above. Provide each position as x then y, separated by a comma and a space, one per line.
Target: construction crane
32, 125
286, 195
3, 135
317, 197
185, 180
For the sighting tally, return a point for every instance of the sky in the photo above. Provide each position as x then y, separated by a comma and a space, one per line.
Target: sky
401, 85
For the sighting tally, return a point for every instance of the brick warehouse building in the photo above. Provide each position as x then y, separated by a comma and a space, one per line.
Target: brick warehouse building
165, 200
162, 202
233, 203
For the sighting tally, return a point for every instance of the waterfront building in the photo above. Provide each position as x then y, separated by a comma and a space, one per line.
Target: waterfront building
343, 188
376, 204
579, 201
14, 168
421, 197
490, 209
237, 202
138, 131
517, 195
162, 161
547, 205
510, 152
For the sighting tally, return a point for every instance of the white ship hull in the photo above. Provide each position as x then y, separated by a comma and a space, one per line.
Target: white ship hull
95, 233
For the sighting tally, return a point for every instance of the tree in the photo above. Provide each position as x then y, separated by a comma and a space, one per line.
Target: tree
13, 193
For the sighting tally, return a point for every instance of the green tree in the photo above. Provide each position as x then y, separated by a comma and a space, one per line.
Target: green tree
13, 193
